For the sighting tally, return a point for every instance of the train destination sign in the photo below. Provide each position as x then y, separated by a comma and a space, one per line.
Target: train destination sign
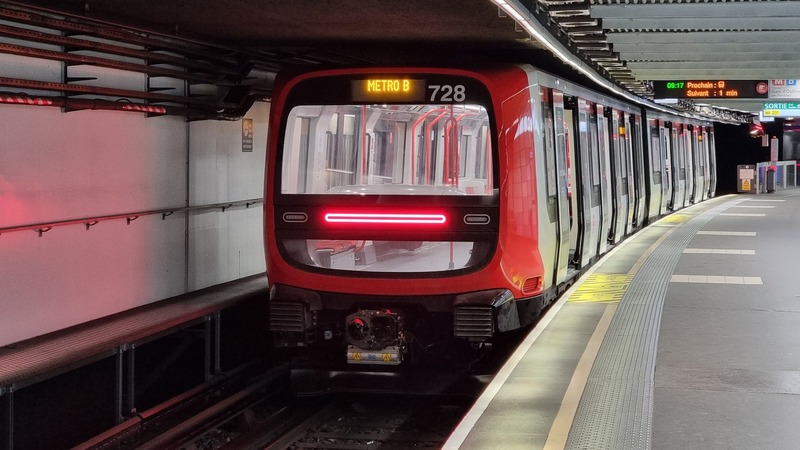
701, 89
389, 90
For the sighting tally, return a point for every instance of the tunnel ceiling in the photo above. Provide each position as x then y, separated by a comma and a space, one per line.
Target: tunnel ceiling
630, 43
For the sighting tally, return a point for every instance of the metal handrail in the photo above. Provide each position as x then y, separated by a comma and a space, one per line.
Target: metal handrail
89, 222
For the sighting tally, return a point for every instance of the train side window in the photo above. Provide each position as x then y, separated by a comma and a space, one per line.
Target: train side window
594, 147
622, 150
655, 151
549, 142
583, 130
561, 146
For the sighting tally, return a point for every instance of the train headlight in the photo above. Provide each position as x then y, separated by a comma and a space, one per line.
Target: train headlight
357, 329
374, 329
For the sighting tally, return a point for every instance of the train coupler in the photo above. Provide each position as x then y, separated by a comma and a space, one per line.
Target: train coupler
375, 337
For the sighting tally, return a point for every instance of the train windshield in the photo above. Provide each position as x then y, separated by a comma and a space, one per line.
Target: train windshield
442, 150
387, 149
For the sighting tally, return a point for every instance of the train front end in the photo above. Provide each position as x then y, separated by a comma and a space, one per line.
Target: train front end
383, 213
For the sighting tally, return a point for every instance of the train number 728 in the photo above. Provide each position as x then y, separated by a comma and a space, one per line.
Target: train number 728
444, 93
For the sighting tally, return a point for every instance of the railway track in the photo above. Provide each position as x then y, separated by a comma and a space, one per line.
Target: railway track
262, 412
349, 419
377, 421
279, 408
214, 405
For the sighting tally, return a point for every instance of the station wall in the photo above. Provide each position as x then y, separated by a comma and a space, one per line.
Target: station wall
57, 166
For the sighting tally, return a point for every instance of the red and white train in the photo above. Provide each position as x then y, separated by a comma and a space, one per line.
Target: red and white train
408, 206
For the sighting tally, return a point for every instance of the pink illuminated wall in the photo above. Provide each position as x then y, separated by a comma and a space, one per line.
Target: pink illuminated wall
60, 166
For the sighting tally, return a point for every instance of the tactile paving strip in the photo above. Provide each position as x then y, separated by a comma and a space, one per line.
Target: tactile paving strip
616, 409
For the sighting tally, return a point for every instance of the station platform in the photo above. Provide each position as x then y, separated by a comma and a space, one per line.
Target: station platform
685, 336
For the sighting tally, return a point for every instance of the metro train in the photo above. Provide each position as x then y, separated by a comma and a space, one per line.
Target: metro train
406, 207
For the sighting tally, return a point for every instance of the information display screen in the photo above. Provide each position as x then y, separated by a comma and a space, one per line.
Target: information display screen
389, 90
408, 90
701, 89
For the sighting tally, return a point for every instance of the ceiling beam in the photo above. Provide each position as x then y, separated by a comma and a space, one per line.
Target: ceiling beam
711, 74
716, 65
714, 10
758, 49
704, 23
710, 37
760, 59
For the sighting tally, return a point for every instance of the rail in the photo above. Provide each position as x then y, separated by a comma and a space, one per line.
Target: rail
89, 222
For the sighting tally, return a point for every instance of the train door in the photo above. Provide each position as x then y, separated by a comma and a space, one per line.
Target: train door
582, 173
705, 159
563, 200
588, 121
639, 180
629, 173
619, 176
654, 169
688, 145
699, 164
663, 132
604, 161
678, 172
573, 193
595, 235
712, 164
547, 184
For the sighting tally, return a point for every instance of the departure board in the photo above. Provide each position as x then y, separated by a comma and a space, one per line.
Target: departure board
701, 89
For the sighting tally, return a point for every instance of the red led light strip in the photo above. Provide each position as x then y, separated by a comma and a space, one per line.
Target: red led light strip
26, 100
145, 108
431, 219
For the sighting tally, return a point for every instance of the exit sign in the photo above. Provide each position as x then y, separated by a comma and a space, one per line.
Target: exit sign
781, 109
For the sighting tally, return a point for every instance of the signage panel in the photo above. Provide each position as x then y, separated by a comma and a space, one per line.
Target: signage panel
700, 89
781, 109
784, 89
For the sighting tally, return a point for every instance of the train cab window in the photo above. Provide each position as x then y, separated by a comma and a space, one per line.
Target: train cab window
384, 150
